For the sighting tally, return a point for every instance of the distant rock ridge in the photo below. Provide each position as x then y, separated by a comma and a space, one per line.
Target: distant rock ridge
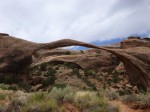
16, 55
135, 42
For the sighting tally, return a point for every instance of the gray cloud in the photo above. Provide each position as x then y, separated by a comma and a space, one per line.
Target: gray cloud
85, 20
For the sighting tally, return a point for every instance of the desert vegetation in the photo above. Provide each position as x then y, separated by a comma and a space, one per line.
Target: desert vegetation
58, 99
61, 96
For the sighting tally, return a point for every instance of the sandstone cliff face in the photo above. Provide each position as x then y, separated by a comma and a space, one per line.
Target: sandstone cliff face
16, 54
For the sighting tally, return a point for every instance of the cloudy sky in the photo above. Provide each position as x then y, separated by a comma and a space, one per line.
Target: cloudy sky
85, 20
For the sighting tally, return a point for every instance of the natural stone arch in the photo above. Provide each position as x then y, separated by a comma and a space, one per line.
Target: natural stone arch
16, 55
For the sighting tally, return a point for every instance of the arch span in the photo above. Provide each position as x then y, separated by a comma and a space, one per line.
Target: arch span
16, 55
137, 70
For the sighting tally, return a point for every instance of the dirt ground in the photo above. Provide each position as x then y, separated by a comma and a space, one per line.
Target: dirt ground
126, 108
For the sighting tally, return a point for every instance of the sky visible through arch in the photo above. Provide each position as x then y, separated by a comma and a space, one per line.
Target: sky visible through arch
85, 20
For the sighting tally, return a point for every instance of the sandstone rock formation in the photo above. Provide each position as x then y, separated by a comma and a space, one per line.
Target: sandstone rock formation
16, 55
135, 42
89, 59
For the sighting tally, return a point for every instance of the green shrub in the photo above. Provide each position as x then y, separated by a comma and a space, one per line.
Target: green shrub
47, 106
51, 72
61, 85
131, 98
43, 66
24, 86
82, 51
1, 107
52, 102
69, 97
115, 76
94, 87
39, 102
58, 94
8, 79
90, 101
67, 53
142, 91
109, 82
89, 83
89, 73
70, 65
101, 92
76, 72
49, 81
3, 86
112, 95
39, 96
33, 69
43, 106
115, 72
12, 88
145, 99
124, 92
115, 79
3, 96
84, 97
